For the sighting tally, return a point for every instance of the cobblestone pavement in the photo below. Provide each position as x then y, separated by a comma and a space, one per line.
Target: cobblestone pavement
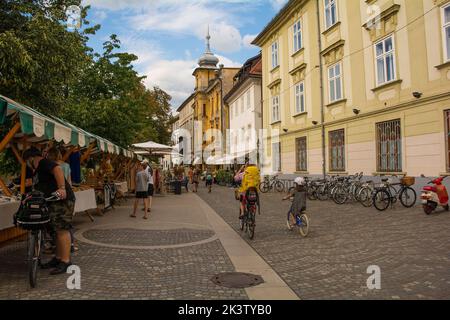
119, 273
133, 237
411, 249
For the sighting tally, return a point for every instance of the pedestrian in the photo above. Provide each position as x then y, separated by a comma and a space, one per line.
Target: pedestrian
151, 188
196, 179
50, 180
141, 190
54, 154
190, 174
209, 180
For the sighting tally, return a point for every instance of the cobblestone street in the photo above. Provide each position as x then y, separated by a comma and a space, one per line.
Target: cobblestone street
412, 249
182, 246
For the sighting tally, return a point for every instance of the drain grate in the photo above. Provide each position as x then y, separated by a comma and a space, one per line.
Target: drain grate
237, 280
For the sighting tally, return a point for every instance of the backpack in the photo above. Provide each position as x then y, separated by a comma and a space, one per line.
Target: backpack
251, 178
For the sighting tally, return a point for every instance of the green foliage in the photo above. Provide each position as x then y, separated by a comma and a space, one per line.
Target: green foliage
46, 66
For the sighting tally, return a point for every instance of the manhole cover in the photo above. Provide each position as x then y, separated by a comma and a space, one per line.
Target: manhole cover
237, 280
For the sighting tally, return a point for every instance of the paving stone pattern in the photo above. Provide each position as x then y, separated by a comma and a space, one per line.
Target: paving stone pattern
412, 249
134, 237
108, 273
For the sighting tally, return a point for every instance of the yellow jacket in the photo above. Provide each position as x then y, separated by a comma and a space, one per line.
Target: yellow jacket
251, 179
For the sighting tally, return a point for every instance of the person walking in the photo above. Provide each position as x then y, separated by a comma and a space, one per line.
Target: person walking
209, 180
196, 179
151, 188
141, 190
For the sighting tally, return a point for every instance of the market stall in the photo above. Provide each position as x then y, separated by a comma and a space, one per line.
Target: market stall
24, 127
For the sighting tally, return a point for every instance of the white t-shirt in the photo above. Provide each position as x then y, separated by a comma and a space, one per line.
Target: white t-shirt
150, 177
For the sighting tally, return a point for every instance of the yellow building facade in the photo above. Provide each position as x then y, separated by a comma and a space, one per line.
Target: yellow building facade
357, 86
212, 83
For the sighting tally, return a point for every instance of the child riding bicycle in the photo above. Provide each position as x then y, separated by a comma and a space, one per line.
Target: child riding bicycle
299, 197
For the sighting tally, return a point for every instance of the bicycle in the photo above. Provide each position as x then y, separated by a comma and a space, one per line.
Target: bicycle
248, 220
34, 216
299, 221
386, 195
271, 183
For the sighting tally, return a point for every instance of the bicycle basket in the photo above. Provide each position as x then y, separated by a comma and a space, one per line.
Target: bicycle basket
408, 181
33, 212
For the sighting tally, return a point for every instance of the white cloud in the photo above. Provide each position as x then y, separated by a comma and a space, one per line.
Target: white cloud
182, 17
278, 4
248, 39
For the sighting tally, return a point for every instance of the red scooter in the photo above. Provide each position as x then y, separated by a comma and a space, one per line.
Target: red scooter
434, 196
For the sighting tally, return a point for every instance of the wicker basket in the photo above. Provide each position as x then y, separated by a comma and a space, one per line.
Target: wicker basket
408, 181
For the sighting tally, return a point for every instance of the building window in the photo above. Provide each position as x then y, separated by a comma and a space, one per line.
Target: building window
446, 31
301, 153
447, 129
298, 44
389, 146
248, 100
335, 82
276, 157
274, 54
385, 61
337, 150
300, 98
275, 109
204, 110
330, 13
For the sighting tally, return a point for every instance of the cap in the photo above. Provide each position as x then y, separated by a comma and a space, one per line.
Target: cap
31, 152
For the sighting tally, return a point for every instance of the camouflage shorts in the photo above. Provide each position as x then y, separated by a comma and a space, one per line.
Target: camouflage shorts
61, 214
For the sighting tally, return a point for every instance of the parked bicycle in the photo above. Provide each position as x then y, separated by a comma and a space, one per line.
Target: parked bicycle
34, 216
270, 184
388, 193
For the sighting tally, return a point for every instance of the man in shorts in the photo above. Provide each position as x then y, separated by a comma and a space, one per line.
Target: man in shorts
49, 179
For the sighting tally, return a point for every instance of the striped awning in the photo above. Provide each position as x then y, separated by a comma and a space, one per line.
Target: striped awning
52, 128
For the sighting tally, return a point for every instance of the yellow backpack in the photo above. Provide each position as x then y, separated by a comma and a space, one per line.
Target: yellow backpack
251, 178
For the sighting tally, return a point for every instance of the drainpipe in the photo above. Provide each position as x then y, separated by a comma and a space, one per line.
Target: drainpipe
322, 115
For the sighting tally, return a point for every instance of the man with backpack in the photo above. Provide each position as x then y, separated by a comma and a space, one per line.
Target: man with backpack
49, 179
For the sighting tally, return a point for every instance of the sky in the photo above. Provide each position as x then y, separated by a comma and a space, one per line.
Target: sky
168, 36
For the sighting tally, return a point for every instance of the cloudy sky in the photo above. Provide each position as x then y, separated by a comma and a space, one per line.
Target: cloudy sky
168, 36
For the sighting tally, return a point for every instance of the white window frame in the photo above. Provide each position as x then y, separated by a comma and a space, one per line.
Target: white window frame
445, 26
334, 79
274, 54
328, 7
299, 98
275, 108
297, 31
384, 56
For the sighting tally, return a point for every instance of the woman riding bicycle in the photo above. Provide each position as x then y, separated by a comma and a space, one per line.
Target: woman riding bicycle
250, 182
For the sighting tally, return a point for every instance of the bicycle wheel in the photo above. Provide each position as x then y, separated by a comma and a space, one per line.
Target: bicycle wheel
291, 221
365, 197
381, 200
408, 197
264, 187
251, 226
341, 195
279, 186
322, 193
34, 252
311, 193
303, 228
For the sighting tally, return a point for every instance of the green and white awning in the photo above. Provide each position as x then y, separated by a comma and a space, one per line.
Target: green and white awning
51, 128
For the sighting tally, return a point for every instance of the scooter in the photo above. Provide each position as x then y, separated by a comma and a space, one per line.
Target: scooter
434, 196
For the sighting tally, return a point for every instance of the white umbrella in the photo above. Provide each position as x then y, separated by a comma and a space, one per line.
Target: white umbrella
152, 146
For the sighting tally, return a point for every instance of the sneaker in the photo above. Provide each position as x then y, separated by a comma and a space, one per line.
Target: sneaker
60, 268
51, 264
